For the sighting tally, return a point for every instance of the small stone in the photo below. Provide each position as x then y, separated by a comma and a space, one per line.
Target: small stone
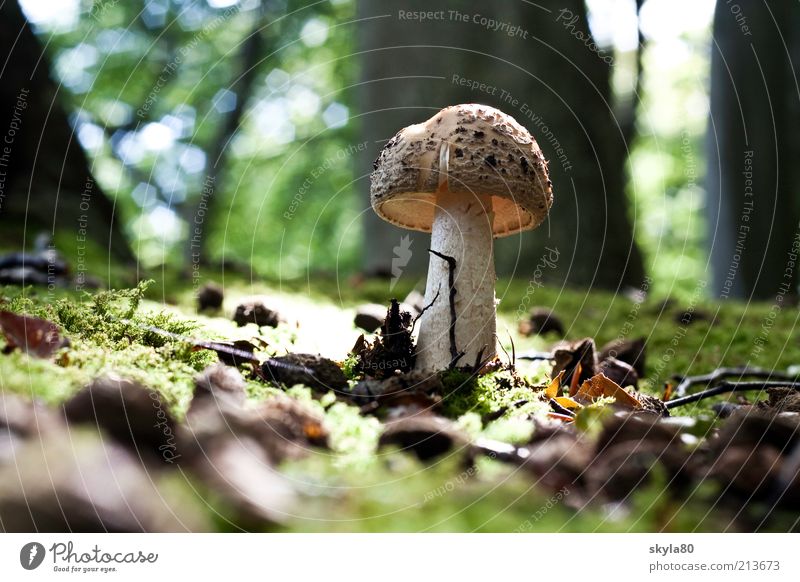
255, 311
77, 481
425, 435
21, 419
631, 352
370, 316
540, 322
752, 427
314, 371
627, 467
725, 409
137, 417
210, 297
749, 471
620, 372
220, 384
290, 427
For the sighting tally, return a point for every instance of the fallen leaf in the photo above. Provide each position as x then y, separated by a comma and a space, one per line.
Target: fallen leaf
561, 417
599, 386
34, 336
568, 402
573, 385
554, 388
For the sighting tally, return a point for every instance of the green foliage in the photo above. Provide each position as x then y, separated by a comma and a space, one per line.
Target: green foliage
466, 393
110, 333
149, 88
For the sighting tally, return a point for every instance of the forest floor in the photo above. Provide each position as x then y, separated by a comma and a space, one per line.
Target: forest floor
353, 484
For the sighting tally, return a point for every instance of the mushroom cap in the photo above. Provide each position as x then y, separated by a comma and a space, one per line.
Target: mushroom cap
464, 149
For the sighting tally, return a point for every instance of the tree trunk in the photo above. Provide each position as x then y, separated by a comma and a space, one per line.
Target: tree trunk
546, 77
45, 180
753, 181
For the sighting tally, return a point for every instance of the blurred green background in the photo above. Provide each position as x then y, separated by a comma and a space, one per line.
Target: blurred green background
239, 133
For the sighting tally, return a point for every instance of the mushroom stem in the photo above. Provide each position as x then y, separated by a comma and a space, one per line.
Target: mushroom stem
462, 229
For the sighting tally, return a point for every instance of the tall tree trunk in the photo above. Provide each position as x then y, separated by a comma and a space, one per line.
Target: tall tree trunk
535, 64
753, 148
45, 179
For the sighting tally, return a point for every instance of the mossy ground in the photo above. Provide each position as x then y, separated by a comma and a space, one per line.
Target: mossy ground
355, 488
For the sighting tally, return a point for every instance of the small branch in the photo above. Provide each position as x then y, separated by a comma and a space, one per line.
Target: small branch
455, 360
722, 373
505, 351
535, 356
729, 387
451, 278
424, 309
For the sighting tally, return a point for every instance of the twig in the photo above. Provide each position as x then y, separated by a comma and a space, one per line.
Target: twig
478, 364
534, 356
424, 309
455, 360
219, 347
729, 387
686, 382
451, 279
505, 351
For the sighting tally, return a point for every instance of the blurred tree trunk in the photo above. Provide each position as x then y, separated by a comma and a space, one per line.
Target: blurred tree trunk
45, 180
545, 75
754, 147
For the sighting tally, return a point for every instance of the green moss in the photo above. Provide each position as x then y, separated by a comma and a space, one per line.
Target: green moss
490, 393
353, 486
109, 334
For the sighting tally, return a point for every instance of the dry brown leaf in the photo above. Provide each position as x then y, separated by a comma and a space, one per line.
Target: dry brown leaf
599, 386
34, 336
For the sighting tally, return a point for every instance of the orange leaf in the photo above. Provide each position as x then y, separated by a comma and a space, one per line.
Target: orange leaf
561, 417
576, 375
567, 402
600, 385
554, 388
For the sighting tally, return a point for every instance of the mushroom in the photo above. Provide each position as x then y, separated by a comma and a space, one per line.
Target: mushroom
468, 174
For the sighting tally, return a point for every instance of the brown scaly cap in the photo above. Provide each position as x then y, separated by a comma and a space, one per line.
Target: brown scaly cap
481, 150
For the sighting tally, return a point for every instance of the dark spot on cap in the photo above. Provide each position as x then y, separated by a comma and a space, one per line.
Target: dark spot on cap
479, 134
459, 153
495, 142
523, 162
491, 160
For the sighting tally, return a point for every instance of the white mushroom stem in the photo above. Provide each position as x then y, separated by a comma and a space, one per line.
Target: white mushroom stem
462, 229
